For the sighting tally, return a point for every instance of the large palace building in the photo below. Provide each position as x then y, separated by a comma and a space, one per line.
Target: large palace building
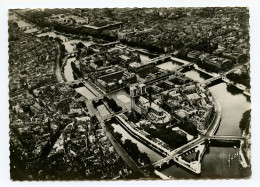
143, 106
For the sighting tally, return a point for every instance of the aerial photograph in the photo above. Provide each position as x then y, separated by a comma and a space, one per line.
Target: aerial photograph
129, 93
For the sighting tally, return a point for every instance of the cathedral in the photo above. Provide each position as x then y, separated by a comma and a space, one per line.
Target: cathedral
141, 105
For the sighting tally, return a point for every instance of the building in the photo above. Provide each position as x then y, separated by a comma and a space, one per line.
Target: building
95, 29
145, 107
137, 67
219, 63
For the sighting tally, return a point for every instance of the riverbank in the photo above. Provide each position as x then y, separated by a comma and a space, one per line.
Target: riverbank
58, 71
212, 129
128, 160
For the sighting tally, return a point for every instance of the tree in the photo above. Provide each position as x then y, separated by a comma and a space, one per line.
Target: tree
138, 58
112, 104
131, 117
150, 92
15, 24
57, 39
118, 136
80, 45
93, 120
244, 124
183, 53
243, 59
62, 48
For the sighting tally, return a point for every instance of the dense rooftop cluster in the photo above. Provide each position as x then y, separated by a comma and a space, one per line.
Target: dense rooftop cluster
84, 152
185, 99
215, 36
32, 61
218, 34
41, 108
189, 104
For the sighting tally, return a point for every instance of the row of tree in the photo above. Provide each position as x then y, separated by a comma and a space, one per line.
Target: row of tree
243, 78
172, 138
130, 147
112, 104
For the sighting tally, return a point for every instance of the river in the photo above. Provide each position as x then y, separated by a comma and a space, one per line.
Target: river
68, 72
215, 162
22, 24
197, 76
143, 57
170, 65
233, 106
70, 45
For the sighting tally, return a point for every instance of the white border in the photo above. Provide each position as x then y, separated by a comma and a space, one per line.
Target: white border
254, 7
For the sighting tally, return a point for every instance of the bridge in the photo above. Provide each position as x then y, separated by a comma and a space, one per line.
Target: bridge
75, 81
227, 138
211, 80
110, 44
72, 54
224, 79
181, 68
114, 114
178, 151
151, 81
165, 76
160, 59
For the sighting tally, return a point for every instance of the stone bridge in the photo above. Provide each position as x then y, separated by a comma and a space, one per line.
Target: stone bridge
209, 81
160, 59
227, 138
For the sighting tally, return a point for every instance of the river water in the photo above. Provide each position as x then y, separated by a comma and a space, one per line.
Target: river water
233, 106
85, 92
143, 57
168, 65
22, 24
68, 72
70, 45
197, 76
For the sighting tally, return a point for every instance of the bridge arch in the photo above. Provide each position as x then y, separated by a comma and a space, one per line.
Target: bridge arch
166, 59
159, 61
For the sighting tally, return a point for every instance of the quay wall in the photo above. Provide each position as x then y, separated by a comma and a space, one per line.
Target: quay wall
142, 139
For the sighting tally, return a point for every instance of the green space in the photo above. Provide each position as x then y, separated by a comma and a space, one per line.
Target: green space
130, 147
172, 138
112, 104
243, 78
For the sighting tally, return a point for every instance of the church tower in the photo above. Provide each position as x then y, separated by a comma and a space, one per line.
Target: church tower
138, 58
135, 92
